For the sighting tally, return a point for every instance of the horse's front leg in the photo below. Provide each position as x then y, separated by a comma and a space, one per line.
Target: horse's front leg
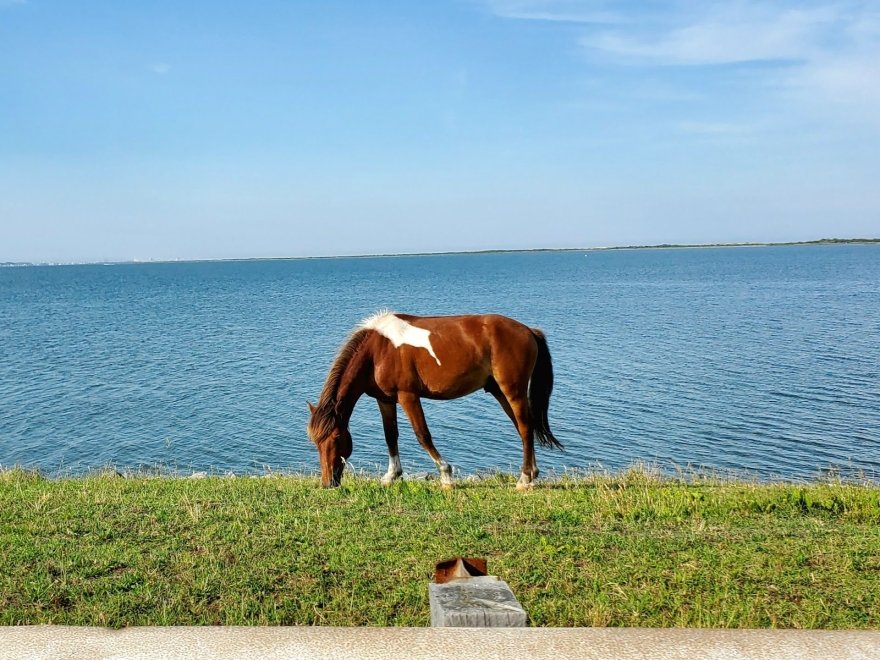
412, 406
389, 424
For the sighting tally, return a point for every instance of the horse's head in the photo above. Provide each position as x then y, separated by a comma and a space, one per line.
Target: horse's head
333, 442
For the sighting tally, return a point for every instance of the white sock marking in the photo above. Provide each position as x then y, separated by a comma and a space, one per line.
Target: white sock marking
394, 471
445, 471
524, 482
399, 332
394, 468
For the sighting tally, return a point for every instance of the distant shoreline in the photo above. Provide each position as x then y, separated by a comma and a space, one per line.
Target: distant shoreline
679, 246
661, 246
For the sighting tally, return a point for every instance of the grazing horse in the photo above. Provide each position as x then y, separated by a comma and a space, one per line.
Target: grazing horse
398, 358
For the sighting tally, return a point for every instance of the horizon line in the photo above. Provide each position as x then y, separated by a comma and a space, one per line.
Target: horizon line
386, 255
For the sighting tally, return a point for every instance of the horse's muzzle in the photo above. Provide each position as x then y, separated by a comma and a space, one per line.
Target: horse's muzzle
334, 482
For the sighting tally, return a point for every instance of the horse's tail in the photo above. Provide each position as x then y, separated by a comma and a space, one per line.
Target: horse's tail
540, 388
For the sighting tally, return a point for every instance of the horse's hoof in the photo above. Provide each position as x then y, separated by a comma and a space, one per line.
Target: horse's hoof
390, 477
521, 486
447, 486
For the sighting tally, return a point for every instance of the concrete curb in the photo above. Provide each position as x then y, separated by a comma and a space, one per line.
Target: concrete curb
326, 642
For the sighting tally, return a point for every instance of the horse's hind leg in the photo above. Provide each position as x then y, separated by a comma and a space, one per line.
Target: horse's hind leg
389, 424
412, 406
523, 415
521, 420
492, 388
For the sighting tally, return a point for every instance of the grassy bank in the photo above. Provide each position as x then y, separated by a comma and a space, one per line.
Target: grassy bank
632, 550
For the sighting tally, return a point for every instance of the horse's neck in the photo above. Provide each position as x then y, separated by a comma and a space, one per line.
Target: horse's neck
352, 385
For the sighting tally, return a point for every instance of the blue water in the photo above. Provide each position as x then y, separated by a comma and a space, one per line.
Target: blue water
763, 361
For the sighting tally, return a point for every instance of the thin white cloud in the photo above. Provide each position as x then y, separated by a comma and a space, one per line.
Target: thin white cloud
845, 78
716, 129
658, 91
848, 84
160, 68
818, 54
563, 11
12, 3
750, 33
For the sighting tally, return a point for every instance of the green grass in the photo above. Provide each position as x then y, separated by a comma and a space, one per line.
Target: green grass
627, 550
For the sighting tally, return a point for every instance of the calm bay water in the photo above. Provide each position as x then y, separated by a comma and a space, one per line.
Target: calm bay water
757, 360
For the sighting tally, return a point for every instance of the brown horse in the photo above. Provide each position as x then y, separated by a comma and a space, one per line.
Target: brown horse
398, 358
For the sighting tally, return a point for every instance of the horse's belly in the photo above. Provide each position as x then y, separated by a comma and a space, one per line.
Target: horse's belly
455, 386
445, 395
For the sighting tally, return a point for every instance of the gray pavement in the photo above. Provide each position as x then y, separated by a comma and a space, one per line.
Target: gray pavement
507, 643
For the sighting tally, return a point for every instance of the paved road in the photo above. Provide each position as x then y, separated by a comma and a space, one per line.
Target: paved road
503, 643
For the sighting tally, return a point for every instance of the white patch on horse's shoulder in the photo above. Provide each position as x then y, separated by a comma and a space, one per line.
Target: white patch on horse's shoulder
399, 332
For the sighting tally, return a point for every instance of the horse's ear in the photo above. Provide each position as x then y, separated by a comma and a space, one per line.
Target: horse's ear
312, 408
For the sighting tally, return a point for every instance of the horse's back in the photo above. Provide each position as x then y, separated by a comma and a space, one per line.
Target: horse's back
472, 325
470, 349
467, 321
504, 346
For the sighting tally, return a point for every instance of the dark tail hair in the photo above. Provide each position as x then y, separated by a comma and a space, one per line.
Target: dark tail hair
540, 388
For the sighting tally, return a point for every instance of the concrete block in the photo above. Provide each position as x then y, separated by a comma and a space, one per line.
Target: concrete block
476, 602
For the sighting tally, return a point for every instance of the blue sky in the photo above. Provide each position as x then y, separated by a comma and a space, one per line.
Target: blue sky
161, 130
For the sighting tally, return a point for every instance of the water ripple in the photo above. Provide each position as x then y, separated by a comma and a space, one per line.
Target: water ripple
759, 360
